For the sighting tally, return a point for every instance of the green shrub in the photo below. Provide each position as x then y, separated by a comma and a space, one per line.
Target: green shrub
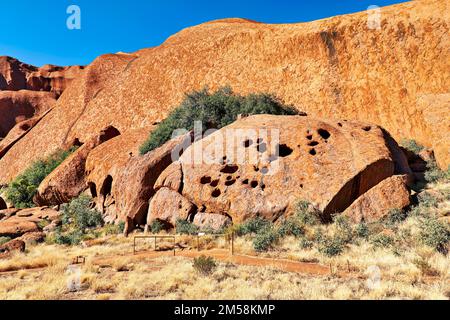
344, 230
306, 214
411, 145
70, 238
331, 247
394, 217
204, 265
112, 229
4, 240
434, 173
214, 110
156, 227
382, 241
79, 212
362, 231
435, 234
265, 239
185, 227
252, 226
21, 190
305, 243
291, 227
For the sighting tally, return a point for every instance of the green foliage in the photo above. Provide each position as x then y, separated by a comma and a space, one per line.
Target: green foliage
79, 212
265, 239
291, 227
4, 240
394, 217
22, 189
382, 241
79, 222
344, 230
214, 110
434, 173
305, 243
204, 265
185, 227
306, 214
411, 145
112, 229
156, 227
435, 234
331, 246
252, 226
362, 231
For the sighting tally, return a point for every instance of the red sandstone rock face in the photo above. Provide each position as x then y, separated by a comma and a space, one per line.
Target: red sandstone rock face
15, 107
334, 67
328, 163
69, 179
376, 203
15, 76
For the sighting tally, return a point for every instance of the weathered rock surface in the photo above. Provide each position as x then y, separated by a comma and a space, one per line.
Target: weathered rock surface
212, 221
15, 107
376, 203
16, 227
10, 246
168, 206
69, 179
393, 76
328, 163
16, 75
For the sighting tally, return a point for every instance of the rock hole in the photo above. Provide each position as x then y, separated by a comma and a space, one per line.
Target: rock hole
309, 137
245, 181
3, 204
313, 144
324, 133
229, 178
93, 189
229, 169
368, 128
339, 124
255, 168
248, 143
284, 150
216, 193
205, 180
107, 186
25, 127
214, 183
254, 184
313, 152
230, 182
263, 187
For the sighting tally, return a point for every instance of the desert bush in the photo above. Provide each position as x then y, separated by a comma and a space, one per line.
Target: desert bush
21, 190
394, 217
411, 145
306, 214
435, 234
214, 110
425, 267
362, 231
204, 265
265, 239
291, 227
4, 240
382, 241
344, 230
434, 173
252, 226
331, 246
305, 243
186, 227
112, 229
80, 213
156, 227
79, 222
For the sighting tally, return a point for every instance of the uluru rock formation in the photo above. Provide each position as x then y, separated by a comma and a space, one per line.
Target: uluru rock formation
261, 165
333, 68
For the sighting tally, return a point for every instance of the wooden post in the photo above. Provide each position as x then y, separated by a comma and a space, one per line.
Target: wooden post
232, 243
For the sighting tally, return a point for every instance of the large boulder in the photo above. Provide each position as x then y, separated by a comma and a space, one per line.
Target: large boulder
375, 204
16, 227
10, 246
262, 165
167, 206
211, 221
68, 180
334, 67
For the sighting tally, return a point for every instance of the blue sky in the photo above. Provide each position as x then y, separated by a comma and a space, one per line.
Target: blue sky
35, 31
